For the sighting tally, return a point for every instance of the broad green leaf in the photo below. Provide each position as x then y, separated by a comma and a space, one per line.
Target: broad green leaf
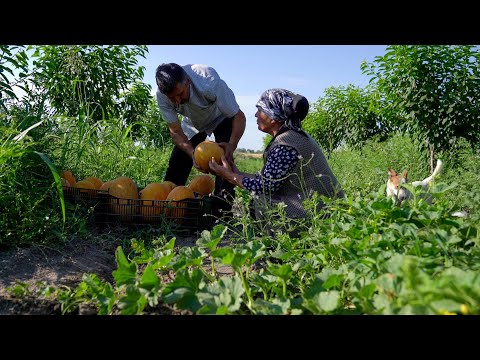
149, 279
126, 272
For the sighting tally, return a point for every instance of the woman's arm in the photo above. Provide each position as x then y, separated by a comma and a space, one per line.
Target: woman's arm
280, 164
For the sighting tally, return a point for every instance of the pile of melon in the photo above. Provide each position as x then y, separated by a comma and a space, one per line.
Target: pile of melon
155, 200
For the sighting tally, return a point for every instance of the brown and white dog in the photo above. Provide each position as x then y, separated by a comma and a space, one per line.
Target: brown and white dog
398, 193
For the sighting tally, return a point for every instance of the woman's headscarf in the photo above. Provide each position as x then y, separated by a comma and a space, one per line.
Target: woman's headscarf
279, 105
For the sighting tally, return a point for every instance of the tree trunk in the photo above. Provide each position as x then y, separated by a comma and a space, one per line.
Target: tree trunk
432, 156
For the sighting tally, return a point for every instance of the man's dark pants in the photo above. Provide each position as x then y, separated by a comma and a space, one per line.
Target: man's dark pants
180, 164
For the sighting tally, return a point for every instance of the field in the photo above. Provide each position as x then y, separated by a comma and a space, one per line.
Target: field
85, 109
368, 257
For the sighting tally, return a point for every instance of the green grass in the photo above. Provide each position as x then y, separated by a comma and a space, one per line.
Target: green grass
367, 257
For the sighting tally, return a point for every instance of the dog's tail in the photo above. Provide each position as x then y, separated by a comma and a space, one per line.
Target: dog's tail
428, 180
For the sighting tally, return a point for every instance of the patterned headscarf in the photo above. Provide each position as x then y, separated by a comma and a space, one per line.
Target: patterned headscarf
277, 104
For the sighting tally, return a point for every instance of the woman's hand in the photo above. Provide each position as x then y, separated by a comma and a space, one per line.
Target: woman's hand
226, 171
222, 169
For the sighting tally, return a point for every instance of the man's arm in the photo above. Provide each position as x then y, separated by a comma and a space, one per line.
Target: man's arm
238, 128
181, 141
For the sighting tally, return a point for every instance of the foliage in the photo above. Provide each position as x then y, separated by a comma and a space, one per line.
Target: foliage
266, 140
350, 115
359, 255
435, 89
367, 170
29, 186
29, 182
92, 76
11, 58
368, 256
134, 104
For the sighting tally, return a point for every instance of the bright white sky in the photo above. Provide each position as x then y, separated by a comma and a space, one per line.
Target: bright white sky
251, 69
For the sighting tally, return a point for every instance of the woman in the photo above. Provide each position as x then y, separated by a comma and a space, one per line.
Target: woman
294, 164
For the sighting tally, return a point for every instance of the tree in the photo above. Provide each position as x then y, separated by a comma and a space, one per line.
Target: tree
92, 77
436, 89
152, 128
350, 115
11, 58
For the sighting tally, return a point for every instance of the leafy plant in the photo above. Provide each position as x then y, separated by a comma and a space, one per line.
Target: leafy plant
435, 89
94, 76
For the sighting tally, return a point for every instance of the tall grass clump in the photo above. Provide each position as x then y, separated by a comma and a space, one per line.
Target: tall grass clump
30, 207
107, 150
365, 170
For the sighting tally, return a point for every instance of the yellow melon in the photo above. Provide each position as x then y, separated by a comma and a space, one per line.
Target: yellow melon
204, 153
95, 181
65, 183
202, 184
85, 187
124, 190
170, 184
67, 175
123, 187
176, 209
106, 185
153, 191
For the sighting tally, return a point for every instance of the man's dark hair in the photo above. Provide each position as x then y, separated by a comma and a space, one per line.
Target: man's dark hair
168, 76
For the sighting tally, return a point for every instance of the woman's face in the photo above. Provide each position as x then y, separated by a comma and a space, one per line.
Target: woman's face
264, 122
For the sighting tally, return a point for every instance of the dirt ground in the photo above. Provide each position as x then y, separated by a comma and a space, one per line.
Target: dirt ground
64, 266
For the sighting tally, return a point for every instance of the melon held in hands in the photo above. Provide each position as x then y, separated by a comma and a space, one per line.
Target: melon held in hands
204, 153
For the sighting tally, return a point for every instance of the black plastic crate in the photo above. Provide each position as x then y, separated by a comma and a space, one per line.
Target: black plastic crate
84, 196
189, 215
183, 215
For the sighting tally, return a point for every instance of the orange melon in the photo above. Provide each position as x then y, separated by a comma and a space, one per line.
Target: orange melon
153, 191
106, 185
202, 184
125, 190
85, 187
65, 183
67, 175
170, 184
95, 181
123, 187
204, 153
176, 210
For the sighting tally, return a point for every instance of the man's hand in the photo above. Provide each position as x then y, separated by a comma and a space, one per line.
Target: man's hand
180, 139
228, 149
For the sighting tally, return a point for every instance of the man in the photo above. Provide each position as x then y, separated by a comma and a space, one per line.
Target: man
207, 106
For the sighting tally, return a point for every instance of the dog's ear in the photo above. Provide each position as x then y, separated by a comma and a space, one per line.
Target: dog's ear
405, 175
391, 172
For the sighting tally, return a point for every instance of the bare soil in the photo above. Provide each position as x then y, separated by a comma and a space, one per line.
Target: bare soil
64, 266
